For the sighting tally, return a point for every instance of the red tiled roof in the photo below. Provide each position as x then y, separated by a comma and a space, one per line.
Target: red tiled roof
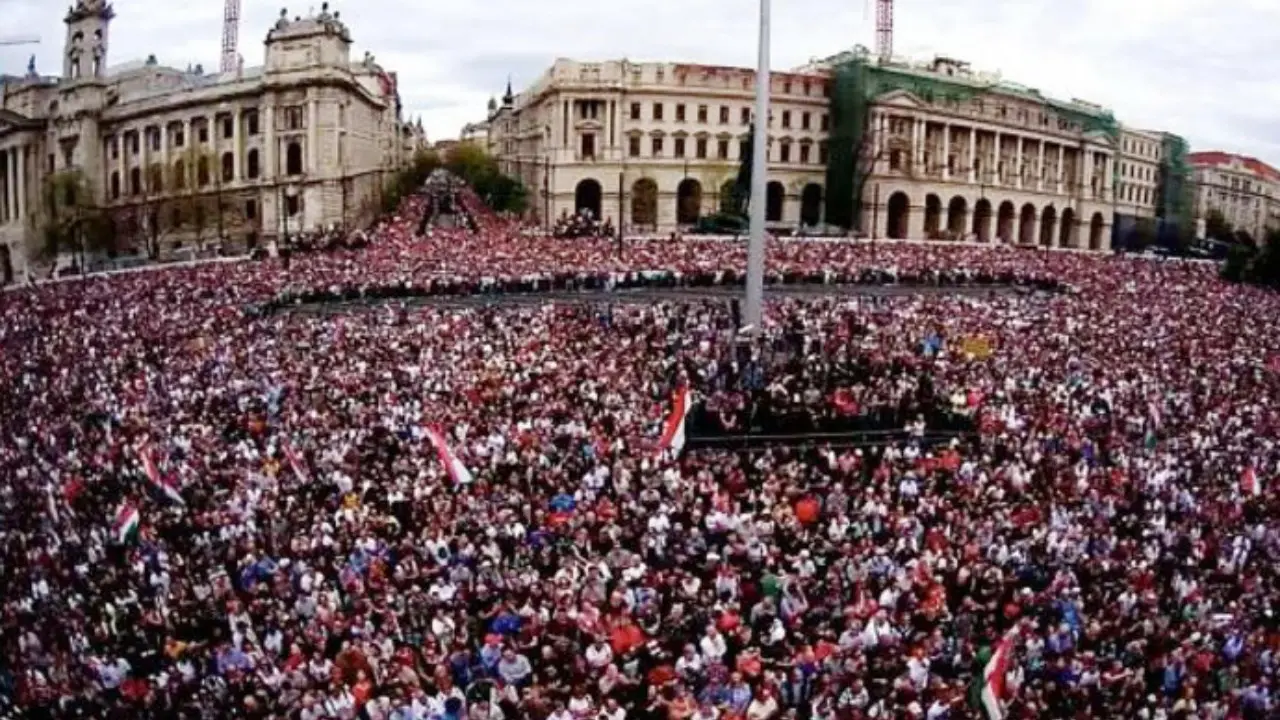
1218, 158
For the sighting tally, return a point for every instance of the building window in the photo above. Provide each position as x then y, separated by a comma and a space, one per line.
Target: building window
228, 127
822, 153
250, 209
251, 122
786, 118
724, 114
204, 133
202, 172
153, 139
179, 138
786, 88
589, 145
633, 146
252, 161
657, 111
657, 147
804, 121
135, 181
179, 175
155, 178
826, 122
115, 186
746, 116
133, 143
785, 153
635, 111
700, 148
293, 159
742, 149
115, 147
291, 205
678, 147
722, 149
680, 113
228, 167
804, 154
702, 114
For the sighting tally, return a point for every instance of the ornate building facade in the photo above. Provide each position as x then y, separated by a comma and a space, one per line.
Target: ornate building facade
1244, 189
944, 152
181, 156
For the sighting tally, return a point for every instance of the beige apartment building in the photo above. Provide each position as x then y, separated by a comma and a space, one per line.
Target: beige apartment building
952, 153
1244, 189
303, 142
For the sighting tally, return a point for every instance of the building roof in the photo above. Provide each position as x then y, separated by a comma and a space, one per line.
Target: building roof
1218, 158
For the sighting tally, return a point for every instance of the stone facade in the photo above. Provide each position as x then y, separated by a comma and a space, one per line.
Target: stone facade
1244, 189
623, 138
305, 141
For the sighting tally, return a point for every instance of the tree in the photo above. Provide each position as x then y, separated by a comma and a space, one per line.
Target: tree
194, 173
1143, 235
1217, 228
480, 170
69, 221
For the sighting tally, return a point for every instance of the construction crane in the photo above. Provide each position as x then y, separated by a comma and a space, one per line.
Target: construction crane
230, 36
20, 40
884, 30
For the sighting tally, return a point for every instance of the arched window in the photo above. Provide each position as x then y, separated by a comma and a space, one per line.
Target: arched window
179, 175
115, 186
228, 167
75, 68
293, 159
135, 181
202, 172
252, 160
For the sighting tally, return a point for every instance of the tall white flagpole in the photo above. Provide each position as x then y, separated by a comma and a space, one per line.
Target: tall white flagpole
759, 180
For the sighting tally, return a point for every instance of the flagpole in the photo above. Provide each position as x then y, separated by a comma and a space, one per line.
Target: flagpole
759, 179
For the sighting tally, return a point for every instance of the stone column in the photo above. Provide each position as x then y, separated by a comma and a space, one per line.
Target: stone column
1062, 157
144, 154
995, 162
6, 187
122, 165
20, 154
236, 120
1087, 180
946, 151
877, 129
313, 138
917, 146
1040, 168
1017, 162
1108, 177
269, 143
973, 154
165, 169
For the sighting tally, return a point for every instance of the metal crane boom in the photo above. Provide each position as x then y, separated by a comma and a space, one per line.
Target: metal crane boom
20, 40
230, 36
884, 29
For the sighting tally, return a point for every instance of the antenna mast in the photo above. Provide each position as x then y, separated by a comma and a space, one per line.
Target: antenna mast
884, 29
230, 36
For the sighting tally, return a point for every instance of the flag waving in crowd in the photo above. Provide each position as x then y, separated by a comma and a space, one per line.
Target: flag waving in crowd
452, 465
673, 430
167, 485
124, 527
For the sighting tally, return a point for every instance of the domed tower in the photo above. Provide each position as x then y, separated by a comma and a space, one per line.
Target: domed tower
85, 53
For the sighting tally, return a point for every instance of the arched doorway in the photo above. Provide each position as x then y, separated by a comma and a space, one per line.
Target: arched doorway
1048, 223
1095, 232
644, 203
1067, 233
728, 204
899, 215
688, 201
1004, 222
1027, 225
932, 217
982, 220
811, 204
776, 198
586, 196
6, 265
957, 218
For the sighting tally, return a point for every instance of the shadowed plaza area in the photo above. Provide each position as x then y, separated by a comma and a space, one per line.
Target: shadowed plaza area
437, 470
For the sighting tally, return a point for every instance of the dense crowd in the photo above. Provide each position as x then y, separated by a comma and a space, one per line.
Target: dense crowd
482, 512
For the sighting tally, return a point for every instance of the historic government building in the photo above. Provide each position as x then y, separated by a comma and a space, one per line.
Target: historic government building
184, 156
913, 150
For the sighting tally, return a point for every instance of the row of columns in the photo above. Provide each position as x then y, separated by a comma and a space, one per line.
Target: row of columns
919, 134
13, 185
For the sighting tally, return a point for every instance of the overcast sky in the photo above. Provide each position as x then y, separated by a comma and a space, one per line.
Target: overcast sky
1203, 68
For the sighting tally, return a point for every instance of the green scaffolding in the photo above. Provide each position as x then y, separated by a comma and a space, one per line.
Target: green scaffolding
1174, 179
857, 81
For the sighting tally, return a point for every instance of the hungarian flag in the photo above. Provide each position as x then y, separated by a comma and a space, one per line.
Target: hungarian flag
1249, 484
452, 465
994, 691
125, 525
673, 429
166, 485
296, 463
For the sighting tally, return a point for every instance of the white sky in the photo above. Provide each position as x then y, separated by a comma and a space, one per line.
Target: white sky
1202, 68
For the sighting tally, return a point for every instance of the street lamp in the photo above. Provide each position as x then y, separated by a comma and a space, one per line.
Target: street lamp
759, 162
